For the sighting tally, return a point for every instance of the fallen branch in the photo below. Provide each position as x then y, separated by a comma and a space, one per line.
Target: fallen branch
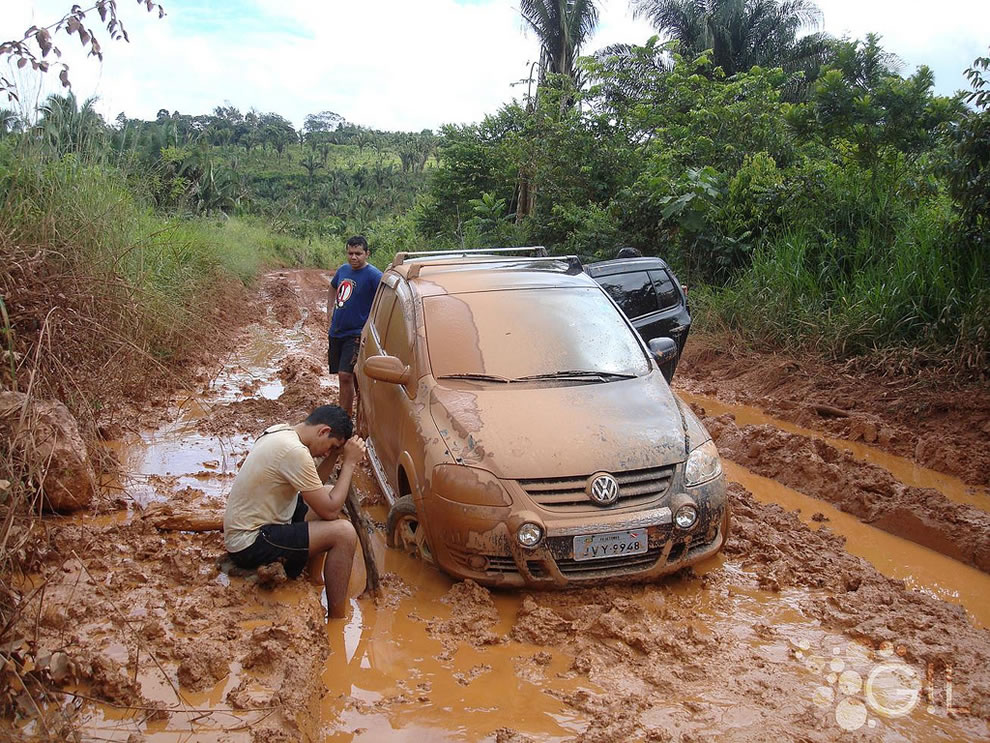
827, 411
167, 518
364, 528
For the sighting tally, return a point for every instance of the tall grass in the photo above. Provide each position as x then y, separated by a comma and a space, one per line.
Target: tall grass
867, 258
118, 294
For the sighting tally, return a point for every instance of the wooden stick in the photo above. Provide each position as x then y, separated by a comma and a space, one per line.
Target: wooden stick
363, 528
168, 519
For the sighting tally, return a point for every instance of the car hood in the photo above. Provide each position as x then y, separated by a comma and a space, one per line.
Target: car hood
561, 431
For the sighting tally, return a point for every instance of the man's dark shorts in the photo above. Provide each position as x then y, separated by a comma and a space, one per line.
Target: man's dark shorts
343, 354
284, 543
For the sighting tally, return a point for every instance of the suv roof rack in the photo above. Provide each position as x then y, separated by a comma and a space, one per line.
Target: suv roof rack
574, 265
401, 257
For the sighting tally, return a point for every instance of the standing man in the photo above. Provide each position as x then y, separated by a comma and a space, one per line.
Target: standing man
279, 510
352, 291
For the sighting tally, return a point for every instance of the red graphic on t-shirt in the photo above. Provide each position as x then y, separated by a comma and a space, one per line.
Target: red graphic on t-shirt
344, 292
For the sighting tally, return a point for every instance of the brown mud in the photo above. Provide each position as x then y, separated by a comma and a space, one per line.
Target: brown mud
913, 412
922, 515
814, 624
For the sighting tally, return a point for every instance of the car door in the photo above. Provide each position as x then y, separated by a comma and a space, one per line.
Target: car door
393, 402
673, 320
373, 341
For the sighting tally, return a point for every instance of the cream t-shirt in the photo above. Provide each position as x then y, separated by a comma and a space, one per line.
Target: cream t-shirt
264, 491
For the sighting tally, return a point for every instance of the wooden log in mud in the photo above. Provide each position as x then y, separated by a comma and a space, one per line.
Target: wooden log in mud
363, 528
168, 518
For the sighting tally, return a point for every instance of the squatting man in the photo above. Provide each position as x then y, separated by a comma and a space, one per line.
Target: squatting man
279, 509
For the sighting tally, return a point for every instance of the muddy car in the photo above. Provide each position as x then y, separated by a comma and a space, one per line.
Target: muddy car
523, 432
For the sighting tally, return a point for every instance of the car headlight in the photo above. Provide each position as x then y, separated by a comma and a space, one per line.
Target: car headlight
703, 464
529, 534
470, 485
686, 516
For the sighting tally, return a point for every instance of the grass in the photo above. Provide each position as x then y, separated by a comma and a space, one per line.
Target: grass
125, 294
799, 293
867, 260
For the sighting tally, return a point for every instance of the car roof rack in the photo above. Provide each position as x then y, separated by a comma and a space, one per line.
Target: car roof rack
574, 265
401, 257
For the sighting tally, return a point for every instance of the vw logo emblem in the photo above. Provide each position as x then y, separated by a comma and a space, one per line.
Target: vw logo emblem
604, 489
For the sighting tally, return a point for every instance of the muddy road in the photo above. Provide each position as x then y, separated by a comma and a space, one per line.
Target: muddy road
850, 603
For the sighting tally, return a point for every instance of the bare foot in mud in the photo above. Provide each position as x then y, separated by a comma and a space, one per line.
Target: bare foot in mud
341, 611
314, 569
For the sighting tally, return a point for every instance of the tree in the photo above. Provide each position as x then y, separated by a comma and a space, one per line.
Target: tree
66, 126
276, 131
36, 44
10, 121
562, 27
860, 98
969, 178
325, 121
741, 33
311, 164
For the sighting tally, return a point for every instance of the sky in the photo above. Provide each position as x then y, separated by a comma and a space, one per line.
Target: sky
398, 64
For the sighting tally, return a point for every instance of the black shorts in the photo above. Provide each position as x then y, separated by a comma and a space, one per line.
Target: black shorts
284, 543
343, 354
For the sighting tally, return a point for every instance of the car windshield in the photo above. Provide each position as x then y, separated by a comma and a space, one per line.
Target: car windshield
511, 334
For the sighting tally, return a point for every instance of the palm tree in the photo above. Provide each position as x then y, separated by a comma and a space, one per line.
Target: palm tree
68, 127
562, 27
742, 33
10, 121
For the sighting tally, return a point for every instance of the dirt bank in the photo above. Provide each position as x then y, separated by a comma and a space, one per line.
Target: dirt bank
916, 413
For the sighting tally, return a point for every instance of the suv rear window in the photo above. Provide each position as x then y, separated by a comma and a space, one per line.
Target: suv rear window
666, 291
633, 292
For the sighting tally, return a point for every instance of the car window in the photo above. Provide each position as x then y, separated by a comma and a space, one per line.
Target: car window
633, 292
525, 332
666, 290
383, 309
397, 341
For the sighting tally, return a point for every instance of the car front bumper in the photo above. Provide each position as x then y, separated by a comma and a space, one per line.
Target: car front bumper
479, 542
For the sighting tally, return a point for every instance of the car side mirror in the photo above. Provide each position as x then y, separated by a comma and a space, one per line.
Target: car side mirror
665, 352
387, 369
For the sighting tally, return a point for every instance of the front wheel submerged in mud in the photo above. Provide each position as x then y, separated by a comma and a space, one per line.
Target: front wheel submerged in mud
403, 530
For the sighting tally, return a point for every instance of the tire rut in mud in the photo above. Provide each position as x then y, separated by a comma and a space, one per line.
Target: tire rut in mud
869, 492
929, 416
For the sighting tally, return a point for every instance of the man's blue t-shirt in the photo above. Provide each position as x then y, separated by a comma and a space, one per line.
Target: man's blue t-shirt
355, 293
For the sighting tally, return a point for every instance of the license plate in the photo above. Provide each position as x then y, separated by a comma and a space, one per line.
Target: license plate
611, 544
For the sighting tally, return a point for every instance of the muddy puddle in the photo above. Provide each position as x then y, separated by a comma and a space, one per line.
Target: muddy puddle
723, 651
905, 470
920, 568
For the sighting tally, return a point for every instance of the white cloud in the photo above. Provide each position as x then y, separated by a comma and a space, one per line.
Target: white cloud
946, 36
403, 64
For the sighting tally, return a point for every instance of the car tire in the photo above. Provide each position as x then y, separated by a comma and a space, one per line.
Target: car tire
726, 525
403, 530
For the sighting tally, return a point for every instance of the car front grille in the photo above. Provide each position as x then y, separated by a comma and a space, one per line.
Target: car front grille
578, 569
500, 564
636, 488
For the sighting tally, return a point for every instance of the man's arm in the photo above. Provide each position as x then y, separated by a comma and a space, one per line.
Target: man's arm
328, 501
331, 305
326, 466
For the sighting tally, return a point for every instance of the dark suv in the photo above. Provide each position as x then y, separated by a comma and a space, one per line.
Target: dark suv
651, 297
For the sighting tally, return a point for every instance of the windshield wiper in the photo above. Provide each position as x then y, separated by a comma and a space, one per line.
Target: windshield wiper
578, 374
477, 377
